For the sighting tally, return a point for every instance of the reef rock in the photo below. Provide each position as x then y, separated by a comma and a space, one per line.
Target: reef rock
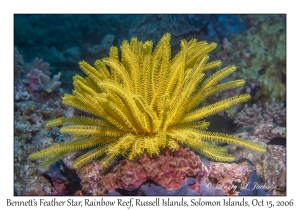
91, 177
228, 177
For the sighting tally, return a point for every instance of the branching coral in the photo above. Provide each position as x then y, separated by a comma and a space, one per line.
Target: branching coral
267, 113
49, 85
145, 102
39, 64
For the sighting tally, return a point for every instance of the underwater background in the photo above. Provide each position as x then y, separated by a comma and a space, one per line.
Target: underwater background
47, 49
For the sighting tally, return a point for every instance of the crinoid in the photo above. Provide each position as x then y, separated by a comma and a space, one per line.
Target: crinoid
145, 101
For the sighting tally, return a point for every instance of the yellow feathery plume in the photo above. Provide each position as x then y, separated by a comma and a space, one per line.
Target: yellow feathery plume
143, 100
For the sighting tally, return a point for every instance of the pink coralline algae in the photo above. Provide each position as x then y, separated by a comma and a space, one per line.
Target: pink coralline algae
59, 187
128, 176
169, 171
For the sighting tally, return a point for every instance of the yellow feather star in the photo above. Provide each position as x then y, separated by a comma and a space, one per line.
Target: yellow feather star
145, 102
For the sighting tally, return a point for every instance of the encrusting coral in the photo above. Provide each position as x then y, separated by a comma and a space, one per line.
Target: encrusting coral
146, 101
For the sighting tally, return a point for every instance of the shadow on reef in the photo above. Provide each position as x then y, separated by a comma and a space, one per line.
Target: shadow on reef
152, 189
64, 181
252, 187
222, 124
278, 141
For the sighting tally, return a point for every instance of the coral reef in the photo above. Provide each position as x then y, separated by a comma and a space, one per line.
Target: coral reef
169, 170
39, 64
47, 84
91, 179
269, 131
25, 130
254, 43
270, 166
20, 91
259, 52
132, 177
21, 68
148, 176
231, 178
153, 27
38, 187
37, 80
59, 187
257, 114
18, 63
29, 136
161, 112
32, 80
128, 175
